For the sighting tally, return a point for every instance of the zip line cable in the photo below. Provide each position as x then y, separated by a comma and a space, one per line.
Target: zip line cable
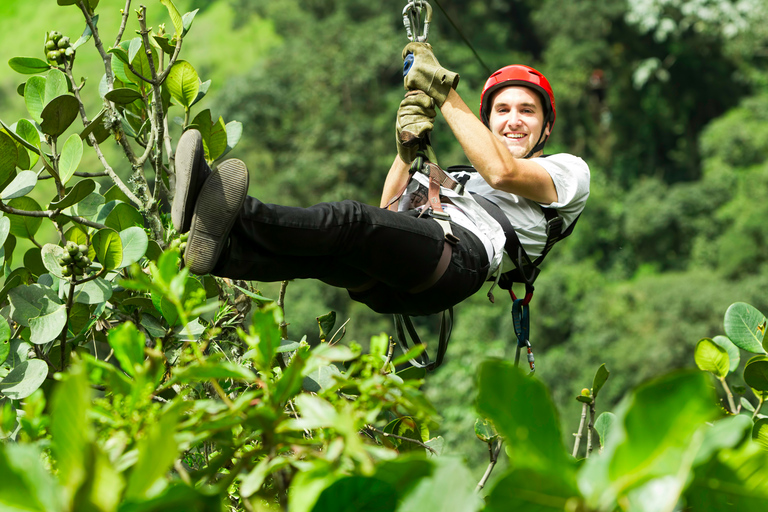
466, 41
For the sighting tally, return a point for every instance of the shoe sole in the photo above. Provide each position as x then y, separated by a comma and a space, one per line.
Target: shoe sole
189, 157
218, 205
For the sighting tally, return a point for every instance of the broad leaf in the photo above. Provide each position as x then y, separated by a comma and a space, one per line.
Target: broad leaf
135, 243
449, 488
124, 216
760, 432
55, 85
526, 489
522, 411
27, 484
93, 292
21, 185
187, 19
123, 96
24, 379
603, 425
601, 376
176, 18
71, 154
183, 83
734, 354
321, 379
109, 248
745, 326
5, 229
265, 336
5, 338
484, 431
8, 156
80, 191
355, 493
34, 96
59, 114
28, 65
756, 373
87, 33
711, 357
29, 133
47, 327
23, 226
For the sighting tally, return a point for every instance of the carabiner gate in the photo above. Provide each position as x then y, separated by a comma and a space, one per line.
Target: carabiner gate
412, 20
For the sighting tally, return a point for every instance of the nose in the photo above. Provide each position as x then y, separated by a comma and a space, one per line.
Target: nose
513, 119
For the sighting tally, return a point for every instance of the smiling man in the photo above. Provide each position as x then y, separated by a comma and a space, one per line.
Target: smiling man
436, 239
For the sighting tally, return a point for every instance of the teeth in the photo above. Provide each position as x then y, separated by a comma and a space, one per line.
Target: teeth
515, 135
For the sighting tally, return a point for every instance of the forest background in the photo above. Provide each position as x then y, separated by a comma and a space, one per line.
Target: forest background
667, 100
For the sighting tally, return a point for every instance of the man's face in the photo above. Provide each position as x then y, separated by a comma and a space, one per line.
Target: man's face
517, 118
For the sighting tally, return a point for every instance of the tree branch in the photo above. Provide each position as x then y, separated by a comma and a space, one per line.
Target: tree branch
402, 438
494, 448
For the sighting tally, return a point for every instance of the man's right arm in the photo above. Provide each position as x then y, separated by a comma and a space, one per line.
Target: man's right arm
397, 178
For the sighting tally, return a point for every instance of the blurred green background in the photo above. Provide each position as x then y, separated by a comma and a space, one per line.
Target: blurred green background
666, 100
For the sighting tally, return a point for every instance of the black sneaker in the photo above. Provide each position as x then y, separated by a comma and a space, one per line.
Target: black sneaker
191, 173
218, 205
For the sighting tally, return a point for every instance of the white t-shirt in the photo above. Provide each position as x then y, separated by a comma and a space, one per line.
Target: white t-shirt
570, 175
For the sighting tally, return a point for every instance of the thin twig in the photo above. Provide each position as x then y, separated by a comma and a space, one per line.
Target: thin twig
51, 214
281, 305
494, 448
578, 434
402, 438
734, 409
390, 353
591, 427
126, 11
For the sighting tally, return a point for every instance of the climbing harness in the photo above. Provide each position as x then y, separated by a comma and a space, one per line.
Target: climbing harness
412, 20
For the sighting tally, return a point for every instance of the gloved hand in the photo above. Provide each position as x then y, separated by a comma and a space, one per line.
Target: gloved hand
427, 75
415, 119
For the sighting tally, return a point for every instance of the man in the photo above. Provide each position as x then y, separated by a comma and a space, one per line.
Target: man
414, 261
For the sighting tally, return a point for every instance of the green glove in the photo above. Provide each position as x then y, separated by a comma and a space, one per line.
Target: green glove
415, 119
427, 75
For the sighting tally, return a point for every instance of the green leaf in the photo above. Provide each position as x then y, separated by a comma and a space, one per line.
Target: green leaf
29, 133
202, 91
80, 191
326, 323
157, 451
734, 356
89, 206
234, 133
28, 65
173, 12
484, 431
135, 243
449, 488
8, 156
96, 128
526, 489
722, 434
355, 493
93, 292
24, 379
603, 425
135, 45
760, 432
47, 327
220, 370
264, 336
128, 343
27, 485
315, 413
5, 229
21, 185
183, 83
55, 85
109, 248
34, 96
321, 379
756, 373
71, 154
23, 226
187, 19
71, 432
5, 337
522, 411
745, 326
124, 216
59, 114
711, 357
217, 140
599, 380
87, 33
123, 96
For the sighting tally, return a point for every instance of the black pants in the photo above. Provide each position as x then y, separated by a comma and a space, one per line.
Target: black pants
349, 244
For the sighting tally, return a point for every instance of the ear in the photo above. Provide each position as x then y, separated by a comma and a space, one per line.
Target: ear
548, 129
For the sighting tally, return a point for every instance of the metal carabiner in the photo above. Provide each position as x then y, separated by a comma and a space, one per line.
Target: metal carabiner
412, 20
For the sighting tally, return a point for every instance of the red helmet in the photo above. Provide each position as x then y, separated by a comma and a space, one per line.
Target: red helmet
524, 76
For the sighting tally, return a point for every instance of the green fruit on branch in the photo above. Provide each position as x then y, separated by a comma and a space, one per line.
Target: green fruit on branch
55, 36
63, 43
50, 45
